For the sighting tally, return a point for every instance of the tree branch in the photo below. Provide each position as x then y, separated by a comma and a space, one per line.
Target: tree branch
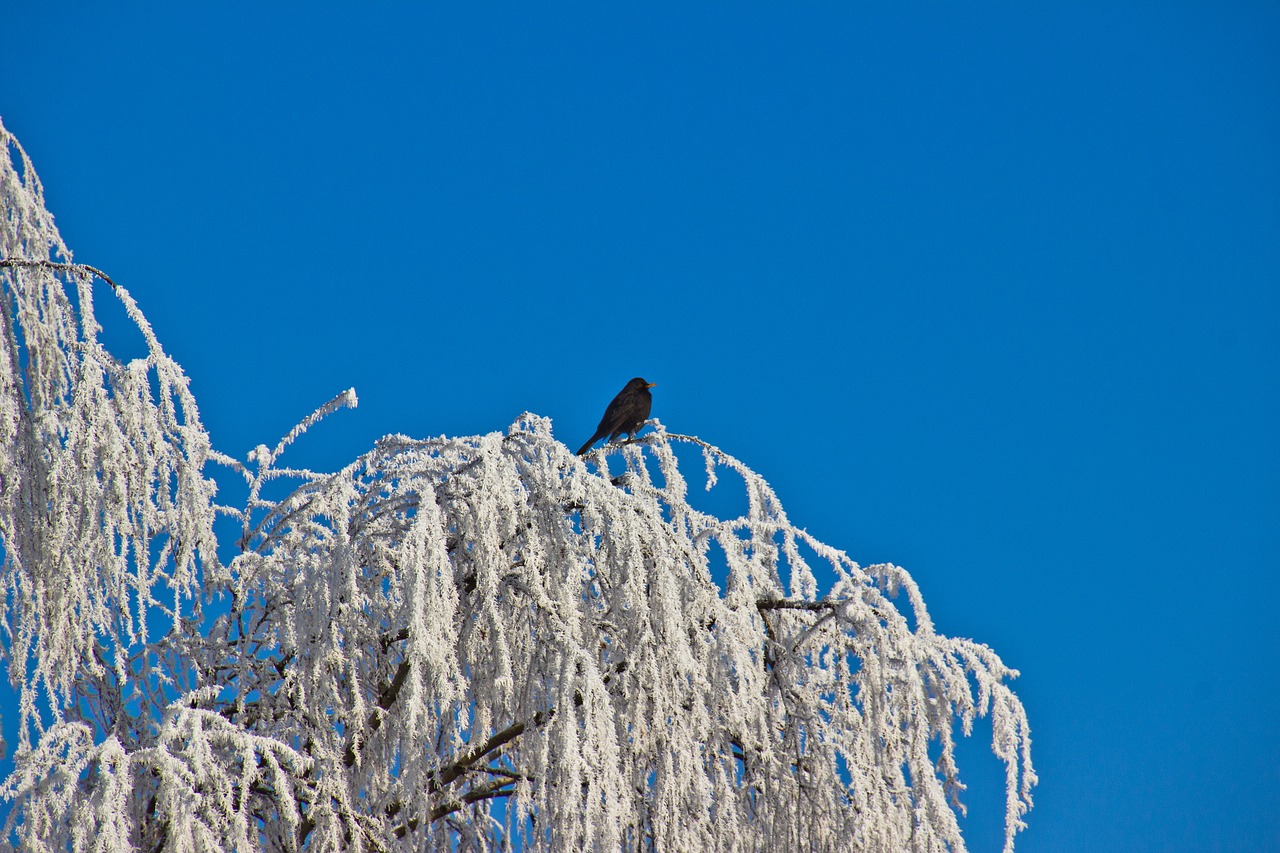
52, 265
385, 700
463, 763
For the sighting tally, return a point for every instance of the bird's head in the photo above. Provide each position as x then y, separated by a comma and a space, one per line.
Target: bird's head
639, 383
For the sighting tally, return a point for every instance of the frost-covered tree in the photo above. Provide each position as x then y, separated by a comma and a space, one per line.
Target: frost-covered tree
473, 643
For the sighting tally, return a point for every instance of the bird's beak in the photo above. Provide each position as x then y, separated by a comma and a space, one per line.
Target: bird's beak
651, 384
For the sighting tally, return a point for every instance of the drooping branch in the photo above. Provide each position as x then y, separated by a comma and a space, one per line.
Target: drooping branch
386, 699
82, 269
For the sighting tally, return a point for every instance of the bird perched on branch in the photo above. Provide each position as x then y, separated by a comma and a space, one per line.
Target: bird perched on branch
628, 411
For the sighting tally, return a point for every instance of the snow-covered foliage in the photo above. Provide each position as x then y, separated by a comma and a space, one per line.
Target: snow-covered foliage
475, 643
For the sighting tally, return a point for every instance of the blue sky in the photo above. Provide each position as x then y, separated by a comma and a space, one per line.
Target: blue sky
990, 292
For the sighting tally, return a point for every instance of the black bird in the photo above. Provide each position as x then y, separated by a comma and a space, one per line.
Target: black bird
628, 411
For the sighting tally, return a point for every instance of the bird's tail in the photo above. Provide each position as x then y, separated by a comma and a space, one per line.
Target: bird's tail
584, 448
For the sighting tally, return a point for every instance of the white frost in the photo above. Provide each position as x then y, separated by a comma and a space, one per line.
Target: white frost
444, 625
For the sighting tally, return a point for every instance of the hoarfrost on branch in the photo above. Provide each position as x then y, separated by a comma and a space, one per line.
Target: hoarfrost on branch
473, 643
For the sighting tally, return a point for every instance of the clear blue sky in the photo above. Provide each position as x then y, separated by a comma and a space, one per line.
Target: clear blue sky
991, 291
